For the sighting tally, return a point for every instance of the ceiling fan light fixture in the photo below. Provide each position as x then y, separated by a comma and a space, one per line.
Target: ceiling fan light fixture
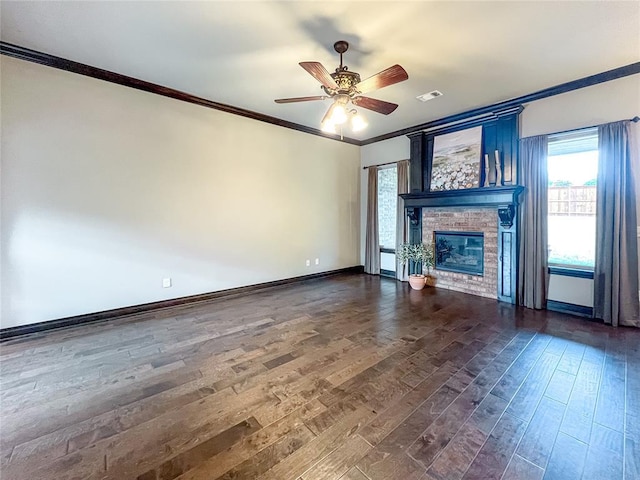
358, 122
328, 126
339, 114
346, 88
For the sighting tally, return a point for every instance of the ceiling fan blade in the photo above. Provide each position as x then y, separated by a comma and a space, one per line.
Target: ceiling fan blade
300, 99
320, 73
374, 104
383, 79
329, 114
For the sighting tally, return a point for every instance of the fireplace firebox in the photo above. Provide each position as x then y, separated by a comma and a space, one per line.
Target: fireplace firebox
461, 252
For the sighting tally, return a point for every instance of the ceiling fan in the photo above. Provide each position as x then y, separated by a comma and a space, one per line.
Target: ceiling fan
346, 87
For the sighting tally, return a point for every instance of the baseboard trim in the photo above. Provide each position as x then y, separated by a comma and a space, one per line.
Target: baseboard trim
104, 316
570, 308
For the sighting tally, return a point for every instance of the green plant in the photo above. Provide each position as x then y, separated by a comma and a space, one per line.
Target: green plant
421, 255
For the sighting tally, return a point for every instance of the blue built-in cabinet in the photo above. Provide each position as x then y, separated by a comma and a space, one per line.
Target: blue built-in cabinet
499, 133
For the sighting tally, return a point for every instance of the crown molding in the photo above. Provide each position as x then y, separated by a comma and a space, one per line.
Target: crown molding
625, 71
469, 121
34, 56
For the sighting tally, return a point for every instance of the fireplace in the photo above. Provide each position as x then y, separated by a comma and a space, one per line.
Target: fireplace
491, 211
461, 252
477, 225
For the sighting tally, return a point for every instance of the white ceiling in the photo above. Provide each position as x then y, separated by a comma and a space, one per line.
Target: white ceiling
246, 54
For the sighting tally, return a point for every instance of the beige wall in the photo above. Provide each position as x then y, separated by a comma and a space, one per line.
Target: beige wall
107, 190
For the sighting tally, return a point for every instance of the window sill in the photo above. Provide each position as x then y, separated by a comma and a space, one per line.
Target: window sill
571, 272
387, 273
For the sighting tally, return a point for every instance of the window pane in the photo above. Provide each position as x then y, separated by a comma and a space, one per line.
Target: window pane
567, 248
573, 142
388, 262
572, 201
387, 205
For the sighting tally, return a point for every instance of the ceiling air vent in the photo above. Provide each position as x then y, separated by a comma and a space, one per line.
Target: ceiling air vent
425, 97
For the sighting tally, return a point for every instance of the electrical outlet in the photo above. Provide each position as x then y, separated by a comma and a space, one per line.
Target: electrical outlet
317, 261
308, 263
166, 282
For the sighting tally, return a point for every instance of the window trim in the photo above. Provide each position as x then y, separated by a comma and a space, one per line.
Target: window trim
566, 271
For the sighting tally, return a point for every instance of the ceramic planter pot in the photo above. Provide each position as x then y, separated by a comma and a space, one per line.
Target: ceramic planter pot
417, 282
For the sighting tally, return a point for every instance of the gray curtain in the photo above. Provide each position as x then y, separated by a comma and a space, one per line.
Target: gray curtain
616, 267
372, 237
533, 276
401, 217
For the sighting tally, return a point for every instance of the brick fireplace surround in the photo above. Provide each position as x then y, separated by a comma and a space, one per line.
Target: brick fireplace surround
459, 219
491, 210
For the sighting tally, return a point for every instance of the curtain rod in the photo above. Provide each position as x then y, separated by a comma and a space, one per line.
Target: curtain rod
383, 164
635, 119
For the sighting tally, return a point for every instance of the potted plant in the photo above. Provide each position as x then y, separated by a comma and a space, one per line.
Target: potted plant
421, 256
428, 261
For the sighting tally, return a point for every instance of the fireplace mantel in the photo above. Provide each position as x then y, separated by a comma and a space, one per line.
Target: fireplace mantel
472, 197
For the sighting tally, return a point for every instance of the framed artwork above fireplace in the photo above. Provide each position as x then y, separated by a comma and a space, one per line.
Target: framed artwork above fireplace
456, 160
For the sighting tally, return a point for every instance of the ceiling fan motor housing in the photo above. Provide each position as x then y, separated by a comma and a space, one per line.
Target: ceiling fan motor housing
346, 82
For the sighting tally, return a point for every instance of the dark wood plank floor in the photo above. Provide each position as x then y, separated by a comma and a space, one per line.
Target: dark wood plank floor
350, 377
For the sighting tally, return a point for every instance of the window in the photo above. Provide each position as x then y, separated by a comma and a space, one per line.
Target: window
572, 165
387, 212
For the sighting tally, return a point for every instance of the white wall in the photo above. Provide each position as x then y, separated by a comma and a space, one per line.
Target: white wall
602, 103
106, 190
577, 291
391, 150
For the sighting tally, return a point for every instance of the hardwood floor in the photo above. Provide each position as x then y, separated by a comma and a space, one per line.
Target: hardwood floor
350, 377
